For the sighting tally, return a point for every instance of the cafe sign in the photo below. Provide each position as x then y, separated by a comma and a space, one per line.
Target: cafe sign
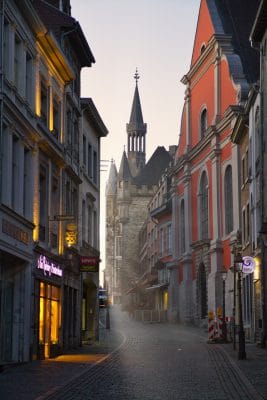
89, 264
249, 265
49, 267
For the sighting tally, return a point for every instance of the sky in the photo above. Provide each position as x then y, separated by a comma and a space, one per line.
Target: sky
155, 36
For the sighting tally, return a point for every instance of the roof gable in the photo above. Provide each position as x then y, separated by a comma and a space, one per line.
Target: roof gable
204, 30
154, 168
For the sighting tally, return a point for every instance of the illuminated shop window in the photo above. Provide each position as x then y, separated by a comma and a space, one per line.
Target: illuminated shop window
49, 314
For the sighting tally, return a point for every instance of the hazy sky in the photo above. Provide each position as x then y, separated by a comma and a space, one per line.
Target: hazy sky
156, 36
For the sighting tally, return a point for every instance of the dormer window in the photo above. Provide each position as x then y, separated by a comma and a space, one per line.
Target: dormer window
203, 122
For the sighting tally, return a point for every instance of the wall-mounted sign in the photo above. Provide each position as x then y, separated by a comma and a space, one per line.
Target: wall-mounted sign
71, 235
249, 265
89, 264
15, 232
49, 267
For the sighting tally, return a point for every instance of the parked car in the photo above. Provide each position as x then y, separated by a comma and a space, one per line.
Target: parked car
103, 298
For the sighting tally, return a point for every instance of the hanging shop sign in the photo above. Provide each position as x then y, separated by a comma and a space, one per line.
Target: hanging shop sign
249, 265
71, 235
89, 264
49, 267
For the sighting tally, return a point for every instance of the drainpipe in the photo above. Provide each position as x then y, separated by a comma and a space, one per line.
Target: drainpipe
2, 15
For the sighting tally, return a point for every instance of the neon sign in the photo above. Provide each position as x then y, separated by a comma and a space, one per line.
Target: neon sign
49, 267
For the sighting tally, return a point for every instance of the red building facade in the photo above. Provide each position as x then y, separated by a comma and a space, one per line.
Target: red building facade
205, 178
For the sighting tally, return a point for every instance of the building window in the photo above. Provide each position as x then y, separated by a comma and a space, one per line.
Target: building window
95, 167
29, 78
89, 165
89, 225
83, 220
26, 182
84, 150
95, 225
203, 47
6, 49
44, 102
228, 200
43, 208
56, 118
69, 131
202, 291
118, 246
204, 211
15, 171
248, 223
182, 229
17, 63
203, 123
169, 239
161, 242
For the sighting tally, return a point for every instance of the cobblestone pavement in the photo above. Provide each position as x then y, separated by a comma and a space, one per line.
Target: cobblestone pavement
149, 361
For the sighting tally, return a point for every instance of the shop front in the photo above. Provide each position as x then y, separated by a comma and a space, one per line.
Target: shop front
47, 336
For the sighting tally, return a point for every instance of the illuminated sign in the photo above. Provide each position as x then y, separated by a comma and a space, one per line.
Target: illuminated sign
71, 234
49, 267
249, 265
89, 264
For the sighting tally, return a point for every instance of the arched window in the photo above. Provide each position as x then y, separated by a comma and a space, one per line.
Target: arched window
182, 227
203, 207
228, 200
203, 47
203, 123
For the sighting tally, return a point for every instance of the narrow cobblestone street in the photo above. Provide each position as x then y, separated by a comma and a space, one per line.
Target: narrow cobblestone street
145, 361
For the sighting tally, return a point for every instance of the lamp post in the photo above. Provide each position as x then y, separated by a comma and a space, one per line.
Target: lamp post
241, 333
224, 329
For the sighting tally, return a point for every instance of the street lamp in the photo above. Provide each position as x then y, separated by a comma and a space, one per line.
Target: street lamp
224, 329
241, 334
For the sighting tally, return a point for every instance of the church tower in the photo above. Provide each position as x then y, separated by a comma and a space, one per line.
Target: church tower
136, 131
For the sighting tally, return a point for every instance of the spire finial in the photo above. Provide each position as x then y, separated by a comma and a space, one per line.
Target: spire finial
136, 76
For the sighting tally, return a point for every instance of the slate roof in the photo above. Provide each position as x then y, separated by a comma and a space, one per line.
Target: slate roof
260, 23
89, 107
124, 171
236, 18
154, 168
111, 186
136, 123
59, 23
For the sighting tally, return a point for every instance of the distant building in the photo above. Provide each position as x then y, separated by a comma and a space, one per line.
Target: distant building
128, 193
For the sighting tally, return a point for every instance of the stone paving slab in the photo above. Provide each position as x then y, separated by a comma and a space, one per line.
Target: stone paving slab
42, 380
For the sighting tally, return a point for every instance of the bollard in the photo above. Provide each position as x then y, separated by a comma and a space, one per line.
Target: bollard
211, 327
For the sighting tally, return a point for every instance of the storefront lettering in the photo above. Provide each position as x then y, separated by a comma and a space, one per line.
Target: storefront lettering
15, 232
49, 267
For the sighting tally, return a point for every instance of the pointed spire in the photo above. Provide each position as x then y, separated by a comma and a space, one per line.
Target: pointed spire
124, 172
136, 124
111, 186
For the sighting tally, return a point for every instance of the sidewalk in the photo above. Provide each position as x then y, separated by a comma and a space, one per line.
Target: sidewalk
254, 367
37, 379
